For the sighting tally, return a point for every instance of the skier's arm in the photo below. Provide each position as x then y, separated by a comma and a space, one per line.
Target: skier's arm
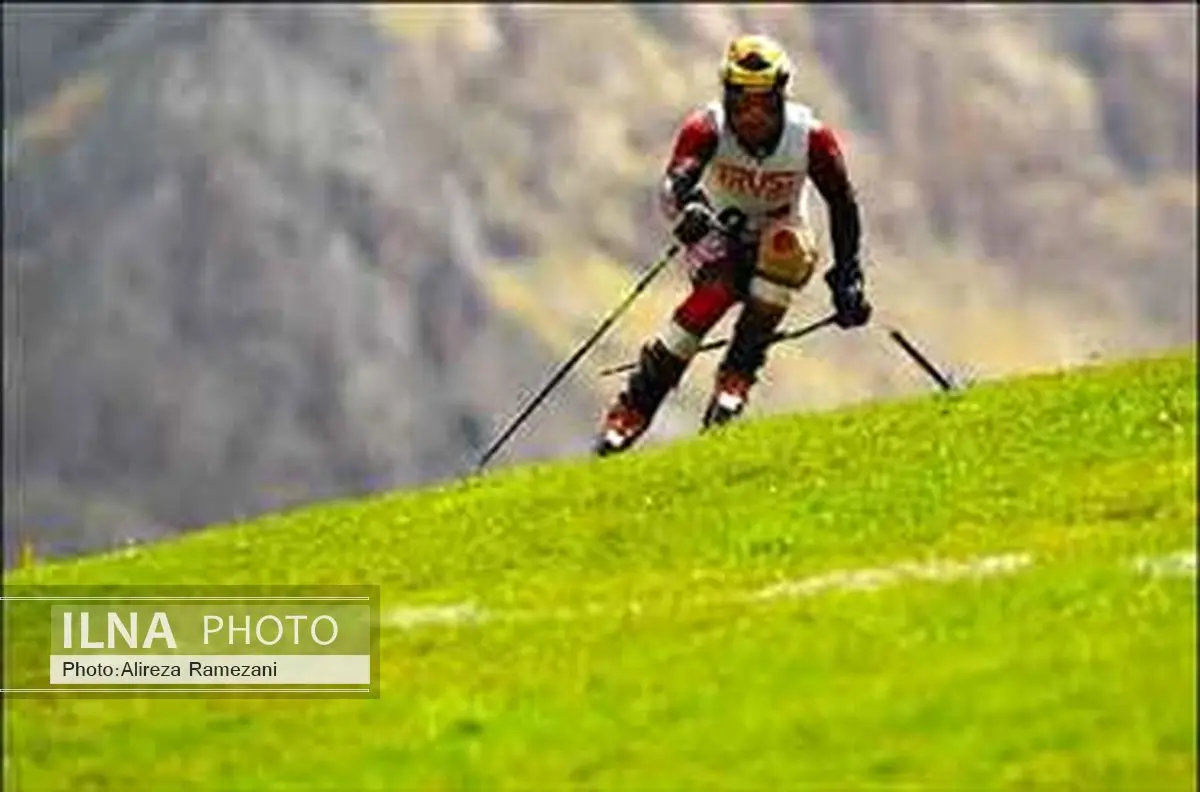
695, 144
828, 173
827, 170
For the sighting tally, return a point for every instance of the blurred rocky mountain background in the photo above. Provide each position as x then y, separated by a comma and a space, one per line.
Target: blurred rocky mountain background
261, 256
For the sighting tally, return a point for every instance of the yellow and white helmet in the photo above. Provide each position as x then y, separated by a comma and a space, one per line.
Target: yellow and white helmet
755, 63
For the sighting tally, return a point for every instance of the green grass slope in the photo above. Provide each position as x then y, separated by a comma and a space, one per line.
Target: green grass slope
617, 643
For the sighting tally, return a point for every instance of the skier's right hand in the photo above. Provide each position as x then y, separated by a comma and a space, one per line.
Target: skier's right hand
695, 222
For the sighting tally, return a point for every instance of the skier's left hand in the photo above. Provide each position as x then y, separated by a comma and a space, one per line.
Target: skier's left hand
849, 298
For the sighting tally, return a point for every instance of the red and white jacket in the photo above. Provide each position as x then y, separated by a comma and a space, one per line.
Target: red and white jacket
808, 150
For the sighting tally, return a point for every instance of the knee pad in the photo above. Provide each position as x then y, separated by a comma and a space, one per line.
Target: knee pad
787, 258
678, 340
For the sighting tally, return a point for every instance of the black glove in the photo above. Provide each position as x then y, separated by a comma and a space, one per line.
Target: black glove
695, 223
683, 183
849, 300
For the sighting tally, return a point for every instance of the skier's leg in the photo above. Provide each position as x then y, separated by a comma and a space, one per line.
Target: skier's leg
663, 361
786, 261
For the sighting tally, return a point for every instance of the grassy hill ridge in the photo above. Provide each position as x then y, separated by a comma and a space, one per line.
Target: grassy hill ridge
1077, 671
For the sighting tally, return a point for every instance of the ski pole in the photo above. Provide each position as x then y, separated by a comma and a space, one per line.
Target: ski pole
562, 371
942, 380
781, 335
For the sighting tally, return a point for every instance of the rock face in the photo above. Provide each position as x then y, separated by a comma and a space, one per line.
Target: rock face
258, 257
221, 295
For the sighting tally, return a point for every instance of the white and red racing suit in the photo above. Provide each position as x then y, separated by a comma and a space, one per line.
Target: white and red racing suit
760, 195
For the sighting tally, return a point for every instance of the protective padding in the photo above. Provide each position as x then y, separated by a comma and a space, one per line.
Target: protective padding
787, 254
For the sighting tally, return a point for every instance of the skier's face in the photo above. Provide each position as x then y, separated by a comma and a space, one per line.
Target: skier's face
754, 116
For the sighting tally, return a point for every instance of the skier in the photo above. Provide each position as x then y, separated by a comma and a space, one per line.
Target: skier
734, 192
